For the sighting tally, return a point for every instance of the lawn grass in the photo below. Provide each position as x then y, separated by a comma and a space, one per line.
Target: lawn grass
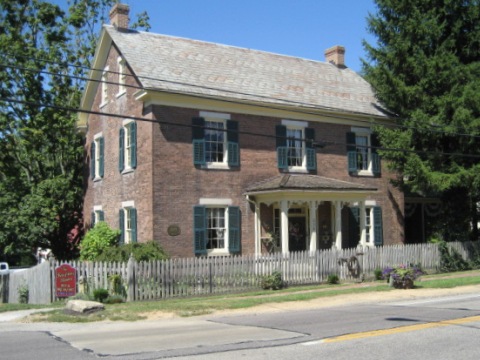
133, 311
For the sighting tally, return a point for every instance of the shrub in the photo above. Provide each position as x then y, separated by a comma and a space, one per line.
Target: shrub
450, 259
273, 281
333, 279
140, 251
80, 296
378, 274
114, 299
23, 294
100, 294
97, 240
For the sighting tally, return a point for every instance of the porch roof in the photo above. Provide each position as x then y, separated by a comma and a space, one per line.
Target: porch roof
301, 182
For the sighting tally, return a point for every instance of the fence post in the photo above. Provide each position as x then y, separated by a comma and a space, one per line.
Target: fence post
131, 278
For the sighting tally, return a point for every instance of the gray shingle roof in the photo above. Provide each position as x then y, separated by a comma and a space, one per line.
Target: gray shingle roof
305, 182
207, 69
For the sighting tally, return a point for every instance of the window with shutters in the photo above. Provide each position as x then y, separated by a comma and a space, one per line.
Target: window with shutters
216, 229
127, 160
373, 225
128, 223
295, 151
215, 141
121, 76
362, 152
97, 216
104, 87
97, 162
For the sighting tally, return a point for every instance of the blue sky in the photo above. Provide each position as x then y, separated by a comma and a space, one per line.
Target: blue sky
301, 28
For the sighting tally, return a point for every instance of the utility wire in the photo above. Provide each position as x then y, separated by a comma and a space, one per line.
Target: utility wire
162, 122
369, 122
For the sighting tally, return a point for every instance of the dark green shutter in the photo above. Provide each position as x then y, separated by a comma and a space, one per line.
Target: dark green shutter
92, 221
121, 149
133, 145
282, 151
101, 165
198, 141
133, 223
92, 160
377, 226
376, 166
199, 230
101, 216
354, 226
232, 143
351, 152
281, 135
121, 226
310, 152
234, 229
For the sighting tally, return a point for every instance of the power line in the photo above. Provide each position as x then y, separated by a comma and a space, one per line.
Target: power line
296, 110
162, 122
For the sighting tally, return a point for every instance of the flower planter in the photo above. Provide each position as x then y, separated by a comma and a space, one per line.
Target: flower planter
403, 283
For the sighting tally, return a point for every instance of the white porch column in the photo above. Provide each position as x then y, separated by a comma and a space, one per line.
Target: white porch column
313, 207
338, 225
284, 225
363, 231
258, 237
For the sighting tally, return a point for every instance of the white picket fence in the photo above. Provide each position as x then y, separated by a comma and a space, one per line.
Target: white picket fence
154, 280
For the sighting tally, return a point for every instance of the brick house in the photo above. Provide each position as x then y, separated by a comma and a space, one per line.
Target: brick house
213, 150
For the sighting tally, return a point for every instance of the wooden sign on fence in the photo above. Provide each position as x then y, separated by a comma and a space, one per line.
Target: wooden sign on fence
65, 281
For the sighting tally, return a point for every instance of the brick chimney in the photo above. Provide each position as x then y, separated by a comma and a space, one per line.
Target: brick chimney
336, 56
119, 16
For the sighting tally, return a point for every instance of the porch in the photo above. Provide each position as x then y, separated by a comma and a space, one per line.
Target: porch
310, 213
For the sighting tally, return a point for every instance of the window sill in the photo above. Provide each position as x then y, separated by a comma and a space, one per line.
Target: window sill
97, 179
218, 252
103, 104
128, 171
297, 170
216, 166
121, 93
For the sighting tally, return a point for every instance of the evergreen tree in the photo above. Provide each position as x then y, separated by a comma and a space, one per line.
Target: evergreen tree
425, 69
41, 152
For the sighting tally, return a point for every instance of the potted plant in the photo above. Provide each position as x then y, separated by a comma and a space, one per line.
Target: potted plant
402, 276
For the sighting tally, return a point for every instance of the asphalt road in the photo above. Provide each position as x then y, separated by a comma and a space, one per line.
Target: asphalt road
437, 328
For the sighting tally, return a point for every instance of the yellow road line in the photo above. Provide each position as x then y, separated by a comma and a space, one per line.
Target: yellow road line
401, 329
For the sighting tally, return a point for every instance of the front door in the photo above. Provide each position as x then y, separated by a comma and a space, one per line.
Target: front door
297, 233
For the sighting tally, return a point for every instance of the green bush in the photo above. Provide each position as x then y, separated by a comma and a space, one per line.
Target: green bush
23, 294
450, 259
273, 281
333, 279
97, 240
378, 274
114, 299
80, 296
141, 252
100, 294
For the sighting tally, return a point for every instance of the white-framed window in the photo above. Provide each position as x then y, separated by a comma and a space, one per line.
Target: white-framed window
97, 215
373, 224
215, 141
127, 159
362, 155
128, 223
104, 87
295, 150
122, 76
97, 161
216, 228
